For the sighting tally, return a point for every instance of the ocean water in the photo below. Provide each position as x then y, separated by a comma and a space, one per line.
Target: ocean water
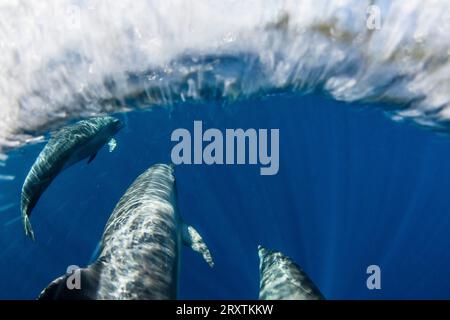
354, 189
363, 116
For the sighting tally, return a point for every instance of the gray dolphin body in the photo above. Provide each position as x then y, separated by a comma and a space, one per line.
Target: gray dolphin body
282, 279
140, 248
66, 147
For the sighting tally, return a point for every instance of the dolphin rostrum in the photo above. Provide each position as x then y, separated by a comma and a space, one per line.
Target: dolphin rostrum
66, 147
140, 247
282, 279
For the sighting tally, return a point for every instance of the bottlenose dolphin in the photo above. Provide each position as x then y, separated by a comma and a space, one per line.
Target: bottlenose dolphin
66, 147
140, 247
282, 279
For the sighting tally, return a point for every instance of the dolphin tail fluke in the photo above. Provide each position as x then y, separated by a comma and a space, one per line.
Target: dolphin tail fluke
193, 239
28, 229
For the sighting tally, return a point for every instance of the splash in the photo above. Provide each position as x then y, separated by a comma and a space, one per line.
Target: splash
69, 59
112, 144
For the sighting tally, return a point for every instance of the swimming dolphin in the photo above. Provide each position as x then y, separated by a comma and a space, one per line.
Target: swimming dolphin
282, 279
140, 248
66, 147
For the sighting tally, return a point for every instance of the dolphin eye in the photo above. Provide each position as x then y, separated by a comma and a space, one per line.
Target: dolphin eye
116, 122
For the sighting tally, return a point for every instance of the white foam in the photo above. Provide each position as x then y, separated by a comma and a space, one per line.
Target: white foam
63, 59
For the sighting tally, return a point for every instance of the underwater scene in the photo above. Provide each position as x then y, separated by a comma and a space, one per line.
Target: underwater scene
232, 150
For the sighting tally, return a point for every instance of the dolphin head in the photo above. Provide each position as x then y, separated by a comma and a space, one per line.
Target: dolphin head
115, 124
281, 278
264, 254
108, 125
272, 259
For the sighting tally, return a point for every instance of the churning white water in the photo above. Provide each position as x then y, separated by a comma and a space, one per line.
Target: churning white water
63, 59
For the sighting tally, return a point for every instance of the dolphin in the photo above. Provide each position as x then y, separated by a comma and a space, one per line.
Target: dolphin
139, 256
66, 147
282, 279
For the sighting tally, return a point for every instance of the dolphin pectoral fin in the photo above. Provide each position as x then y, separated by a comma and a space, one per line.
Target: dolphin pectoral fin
192, 239
112, 144
27, 226
92, 158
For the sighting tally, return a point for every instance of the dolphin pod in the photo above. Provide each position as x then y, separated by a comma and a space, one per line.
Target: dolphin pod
282, 279
139, 253
140, 248
66, 147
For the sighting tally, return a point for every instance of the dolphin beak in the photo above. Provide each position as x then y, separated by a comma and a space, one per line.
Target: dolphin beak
119, 125
261, 252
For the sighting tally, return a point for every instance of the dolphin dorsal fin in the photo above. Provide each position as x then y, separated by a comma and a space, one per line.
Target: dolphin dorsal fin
193, 239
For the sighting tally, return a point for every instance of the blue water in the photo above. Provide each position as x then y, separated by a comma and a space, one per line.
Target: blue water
354, 189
